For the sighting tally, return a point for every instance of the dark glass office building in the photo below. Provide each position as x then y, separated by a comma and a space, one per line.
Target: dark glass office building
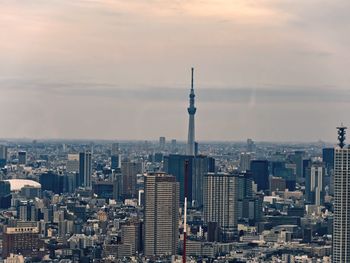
328, 157
174, 164
200, 165
260, 173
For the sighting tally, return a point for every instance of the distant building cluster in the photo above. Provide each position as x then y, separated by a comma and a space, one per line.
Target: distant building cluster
156, 201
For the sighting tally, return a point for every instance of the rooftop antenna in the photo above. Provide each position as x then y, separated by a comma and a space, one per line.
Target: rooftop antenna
192, 71
341, 135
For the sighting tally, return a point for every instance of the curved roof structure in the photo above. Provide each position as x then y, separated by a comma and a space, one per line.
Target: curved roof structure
18, 184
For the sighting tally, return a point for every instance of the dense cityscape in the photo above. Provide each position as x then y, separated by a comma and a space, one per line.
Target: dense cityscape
174, 131
174, 201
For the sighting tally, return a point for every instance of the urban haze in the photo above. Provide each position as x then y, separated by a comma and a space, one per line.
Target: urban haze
121, 68
174, 131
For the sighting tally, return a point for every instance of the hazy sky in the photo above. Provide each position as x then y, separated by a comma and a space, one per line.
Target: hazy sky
276, 70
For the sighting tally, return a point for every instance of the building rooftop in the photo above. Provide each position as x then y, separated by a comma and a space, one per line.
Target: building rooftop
18, 184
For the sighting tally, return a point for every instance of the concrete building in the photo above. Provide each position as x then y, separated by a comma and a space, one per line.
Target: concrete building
72, 165
131, 234
161, 216
23, 240
129, 171
244, 161
174, 164
85, 169
314, 184
277, 184
220, 203
202, 166
162, 141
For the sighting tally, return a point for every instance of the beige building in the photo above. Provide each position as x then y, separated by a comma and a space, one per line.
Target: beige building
161, 214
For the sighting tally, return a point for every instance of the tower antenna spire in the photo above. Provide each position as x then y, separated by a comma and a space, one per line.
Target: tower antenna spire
191, 112
192, 87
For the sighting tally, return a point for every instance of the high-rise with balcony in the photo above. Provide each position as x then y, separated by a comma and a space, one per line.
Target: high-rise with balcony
220, 203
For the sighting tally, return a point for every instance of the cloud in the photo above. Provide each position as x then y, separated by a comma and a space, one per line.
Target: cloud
266, 61
216, 94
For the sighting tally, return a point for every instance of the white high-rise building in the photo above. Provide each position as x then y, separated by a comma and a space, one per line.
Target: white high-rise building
317, 174
341, 223
220, 203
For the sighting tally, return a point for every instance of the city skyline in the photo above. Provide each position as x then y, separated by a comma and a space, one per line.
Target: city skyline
174, 131
259, 66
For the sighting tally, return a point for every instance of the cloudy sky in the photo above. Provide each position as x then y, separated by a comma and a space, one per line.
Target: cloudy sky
271, 70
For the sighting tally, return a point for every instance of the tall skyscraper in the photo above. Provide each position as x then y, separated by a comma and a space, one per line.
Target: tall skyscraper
161, 216
129, 172
115, 156
249, 205
328, 158
202, 166
115, 148
174, 164
244, 161
250, 145
220, 203
297, 158
115, 162
26, 211
314, 184
260, 172
191, 131
341, 223
85, 169
173, 146
3, 155
5, 194
162, 141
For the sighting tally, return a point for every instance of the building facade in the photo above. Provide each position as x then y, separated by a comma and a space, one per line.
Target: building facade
129, 171
341, 223
85, 169
220, 203
260, 173
314, 184
20, 240
161, 215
